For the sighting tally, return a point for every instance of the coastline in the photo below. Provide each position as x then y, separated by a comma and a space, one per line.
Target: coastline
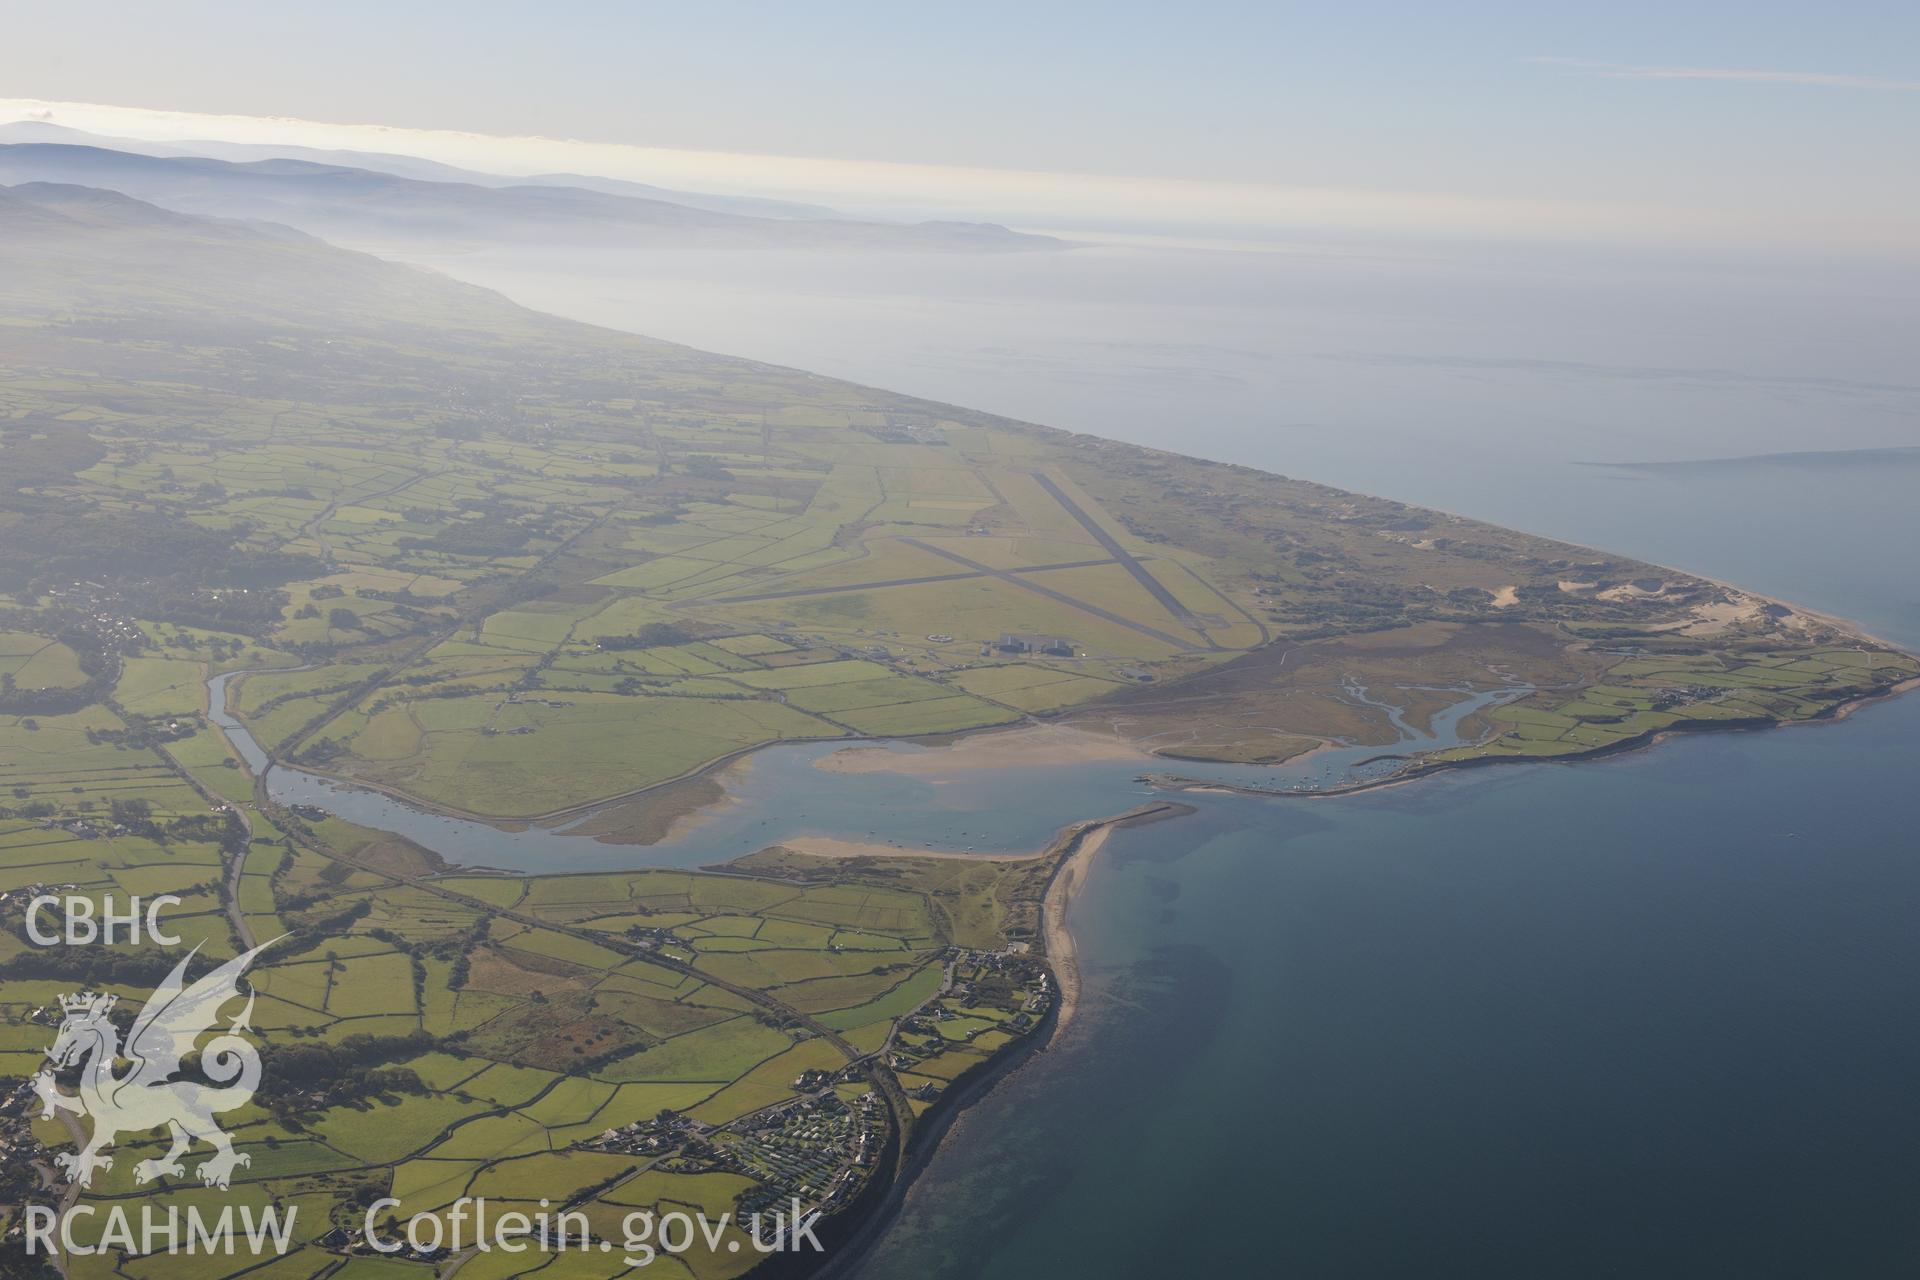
1430, 768
929, 1134
1076, 845
1080, 842
1063, 955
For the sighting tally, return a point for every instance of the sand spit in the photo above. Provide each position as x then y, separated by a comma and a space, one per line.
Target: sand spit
1062, 954
835, 847
1030, 746
1083, 842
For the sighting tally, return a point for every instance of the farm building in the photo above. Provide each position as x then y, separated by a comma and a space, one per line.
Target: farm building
1028, 642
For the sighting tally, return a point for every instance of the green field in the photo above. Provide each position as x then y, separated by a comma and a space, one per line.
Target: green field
515, 1021
1651, 692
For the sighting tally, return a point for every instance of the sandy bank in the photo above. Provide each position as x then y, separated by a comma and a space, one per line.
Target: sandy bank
1062, 955
1082, 843
835, 847
661, 813
1030, 746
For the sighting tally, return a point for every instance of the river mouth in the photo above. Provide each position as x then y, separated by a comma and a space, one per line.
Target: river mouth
783, 796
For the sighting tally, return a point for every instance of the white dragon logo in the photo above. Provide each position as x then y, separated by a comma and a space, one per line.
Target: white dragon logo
148, 1096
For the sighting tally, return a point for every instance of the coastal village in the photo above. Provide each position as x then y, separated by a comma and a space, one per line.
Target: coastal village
818, 1146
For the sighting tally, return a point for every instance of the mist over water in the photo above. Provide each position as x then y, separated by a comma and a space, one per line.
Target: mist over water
1428, 376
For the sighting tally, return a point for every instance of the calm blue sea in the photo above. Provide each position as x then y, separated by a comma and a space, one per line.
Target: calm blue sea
1651, 1017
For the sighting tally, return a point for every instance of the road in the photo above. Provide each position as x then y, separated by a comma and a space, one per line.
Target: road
315, 528
71, 1195
420, 649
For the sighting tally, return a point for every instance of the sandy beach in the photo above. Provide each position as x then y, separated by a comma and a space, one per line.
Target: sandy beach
1062, 955
1061, 952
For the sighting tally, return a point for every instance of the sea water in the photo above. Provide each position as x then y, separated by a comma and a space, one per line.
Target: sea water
1652, 1016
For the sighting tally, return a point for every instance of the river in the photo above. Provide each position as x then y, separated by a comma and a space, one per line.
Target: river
782, 796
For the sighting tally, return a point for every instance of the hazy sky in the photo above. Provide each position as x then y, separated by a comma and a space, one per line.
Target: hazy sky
1749, 123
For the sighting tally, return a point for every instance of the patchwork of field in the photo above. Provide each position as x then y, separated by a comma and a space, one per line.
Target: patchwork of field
509, 565
29, 661
652, 657
606, 1042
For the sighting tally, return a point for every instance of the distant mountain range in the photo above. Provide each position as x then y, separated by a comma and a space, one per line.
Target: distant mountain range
63, 247
366, 208
409, 167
